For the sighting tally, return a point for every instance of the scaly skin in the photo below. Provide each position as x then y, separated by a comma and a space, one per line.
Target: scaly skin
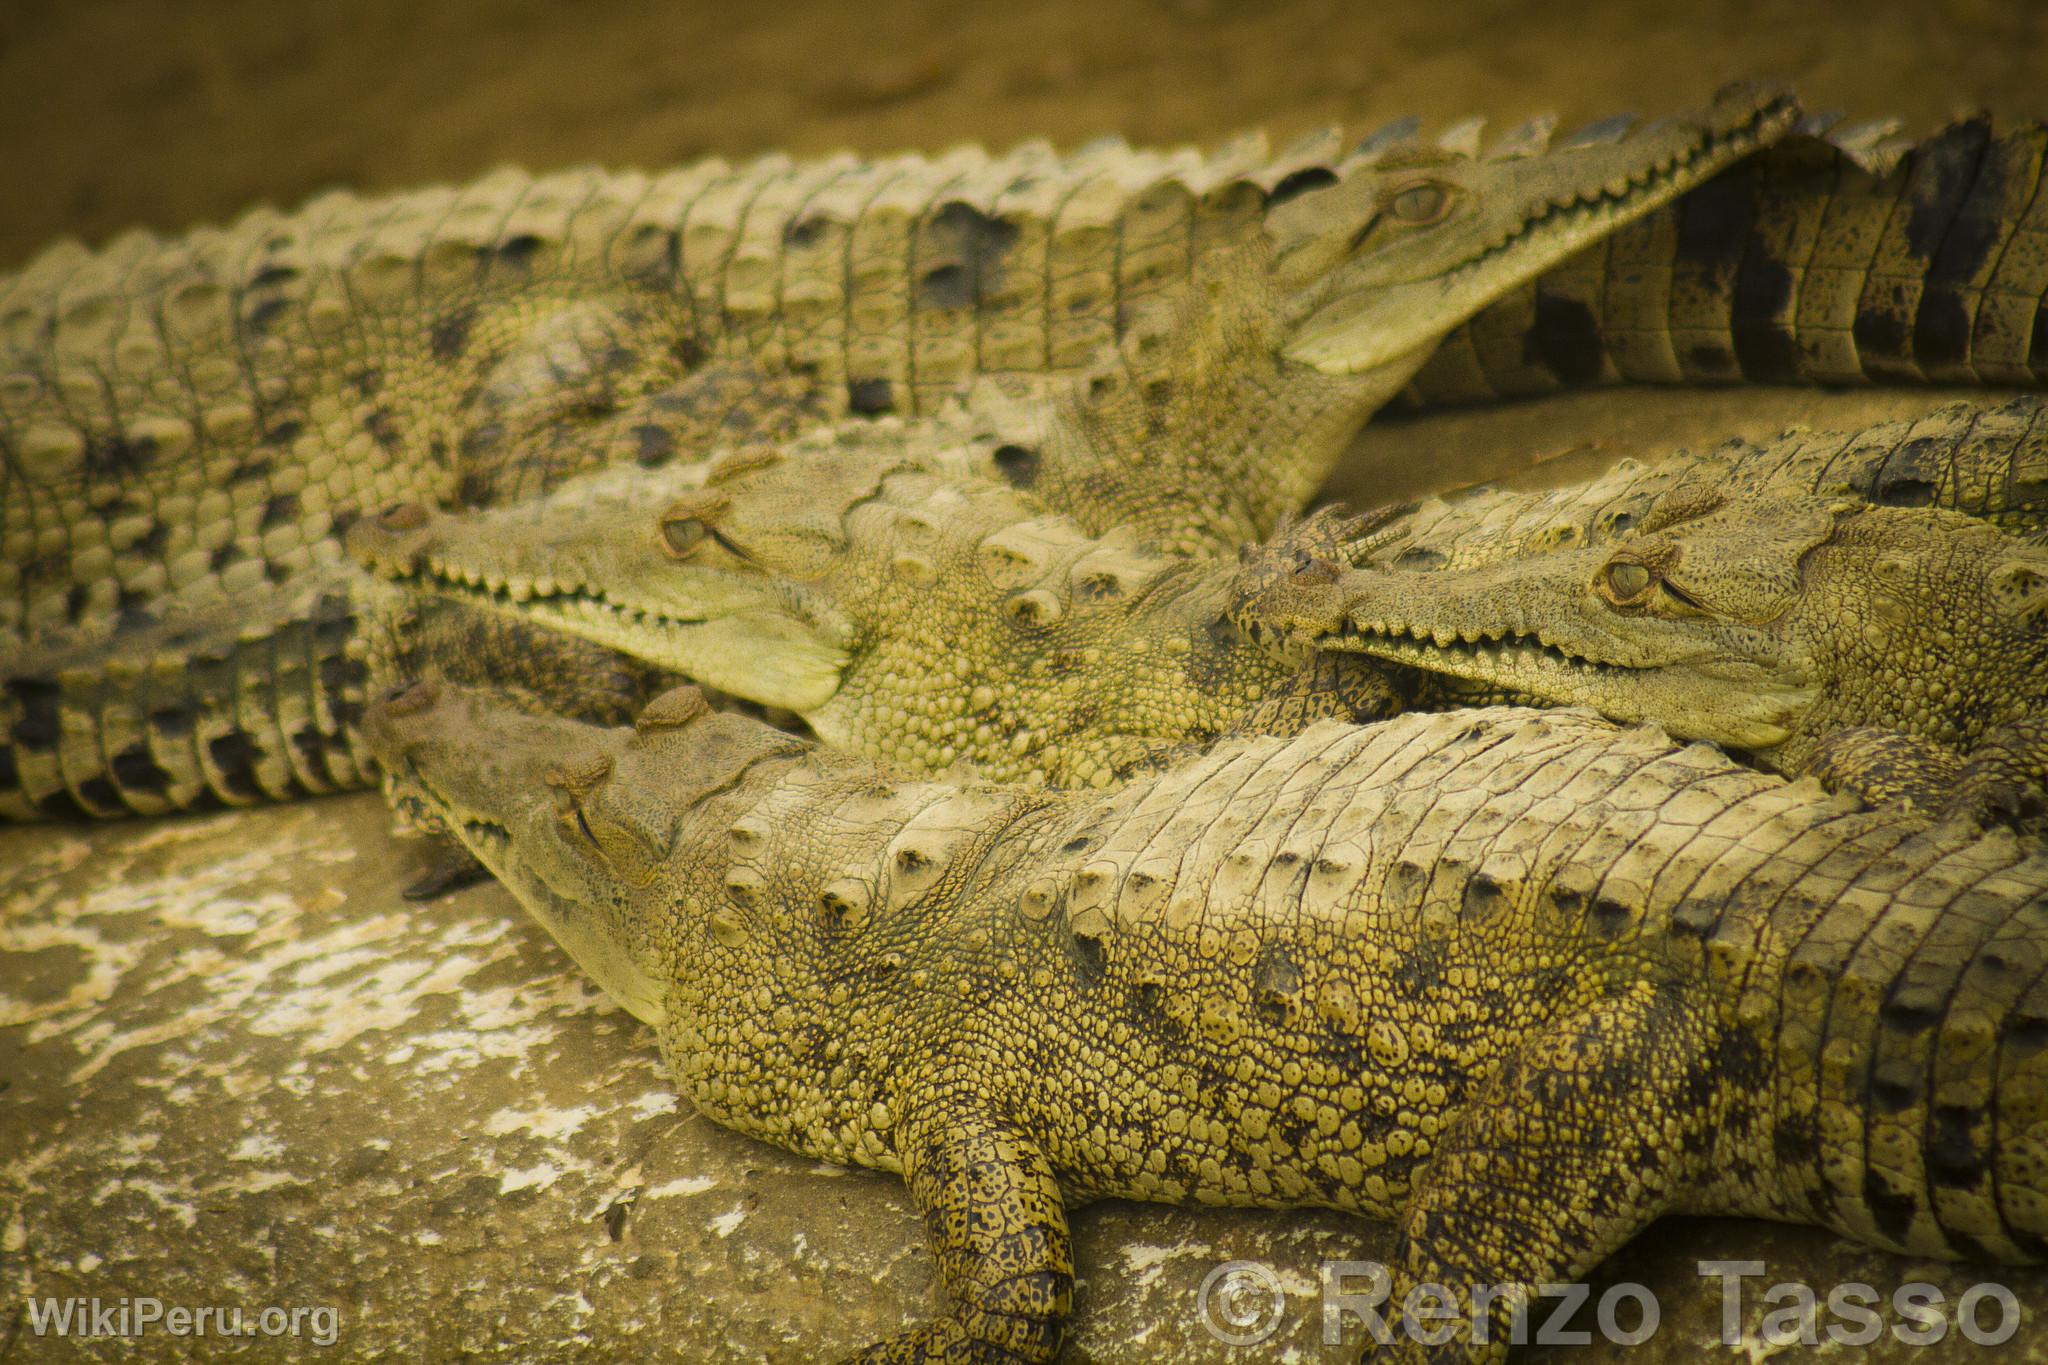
132, 737
1298, 327
1521, 982
1815, 262
257, 707
210, 410
915, 617
1988, 462
1767, 622
930, 620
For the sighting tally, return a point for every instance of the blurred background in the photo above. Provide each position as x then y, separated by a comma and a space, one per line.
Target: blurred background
122, 112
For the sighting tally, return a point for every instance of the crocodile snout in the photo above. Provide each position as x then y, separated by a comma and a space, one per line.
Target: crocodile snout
390, 542
393, 719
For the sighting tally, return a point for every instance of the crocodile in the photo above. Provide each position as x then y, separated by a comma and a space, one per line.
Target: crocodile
232, 724
209, 410
219, 406
1285, 341
1989, 461
1772, 622
1849, 260
1291, 338
925, 618
930, 618
1521, 982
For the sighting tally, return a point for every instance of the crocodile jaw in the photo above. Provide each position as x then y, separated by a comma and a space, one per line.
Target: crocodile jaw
762, 651
1534, 212
1747, 707
761, 655
482, 776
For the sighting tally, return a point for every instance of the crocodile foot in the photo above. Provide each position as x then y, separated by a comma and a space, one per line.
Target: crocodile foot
2003, 781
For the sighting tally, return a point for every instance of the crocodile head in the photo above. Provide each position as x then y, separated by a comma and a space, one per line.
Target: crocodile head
572, 818
726, 581
1387, 259
1705, 619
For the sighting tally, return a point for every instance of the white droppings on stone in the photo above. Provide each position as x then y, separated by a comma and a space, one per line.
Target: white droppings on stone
336, 984
689, 1184
728, 1223
539, 1176
542, 1123
160, 1193
1143, 1262
257, 1147
653, 1104
447, 1050
568, 991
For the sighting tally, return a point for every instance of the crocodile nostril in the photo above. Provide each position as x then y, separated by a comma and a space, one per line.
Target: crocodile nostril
413, 698
403, 516
676, 707
579, 776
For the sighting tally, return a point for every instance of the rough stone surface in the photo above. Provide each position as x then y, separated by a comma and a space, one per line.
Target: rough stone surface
242, 1071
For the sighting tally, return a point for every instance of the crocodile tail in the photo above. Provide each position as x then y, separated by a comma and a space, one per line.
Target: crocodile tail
1912, 1099
208, 709
191, 714
1819, 261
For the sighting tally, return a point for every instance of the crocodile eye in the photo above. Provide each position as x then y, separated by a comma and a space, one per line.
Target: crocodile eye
681, 535
403, 516
569, 814
1420, 204
1625, 582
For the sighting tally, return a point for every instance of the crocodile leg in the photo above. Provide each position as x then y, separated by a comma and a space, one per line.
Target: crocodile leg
992, 1210
2006, 776
2002, 780
1343, 687
1879, 766
1600, 1123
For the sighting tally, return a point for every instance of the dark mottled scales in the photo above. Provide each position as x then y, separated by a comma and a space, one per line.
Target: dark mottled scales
1565, 340
37, 699
966, 247
234, 755
382, 424
449, 337
115, 456
869, 397
279, 510
135, 770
